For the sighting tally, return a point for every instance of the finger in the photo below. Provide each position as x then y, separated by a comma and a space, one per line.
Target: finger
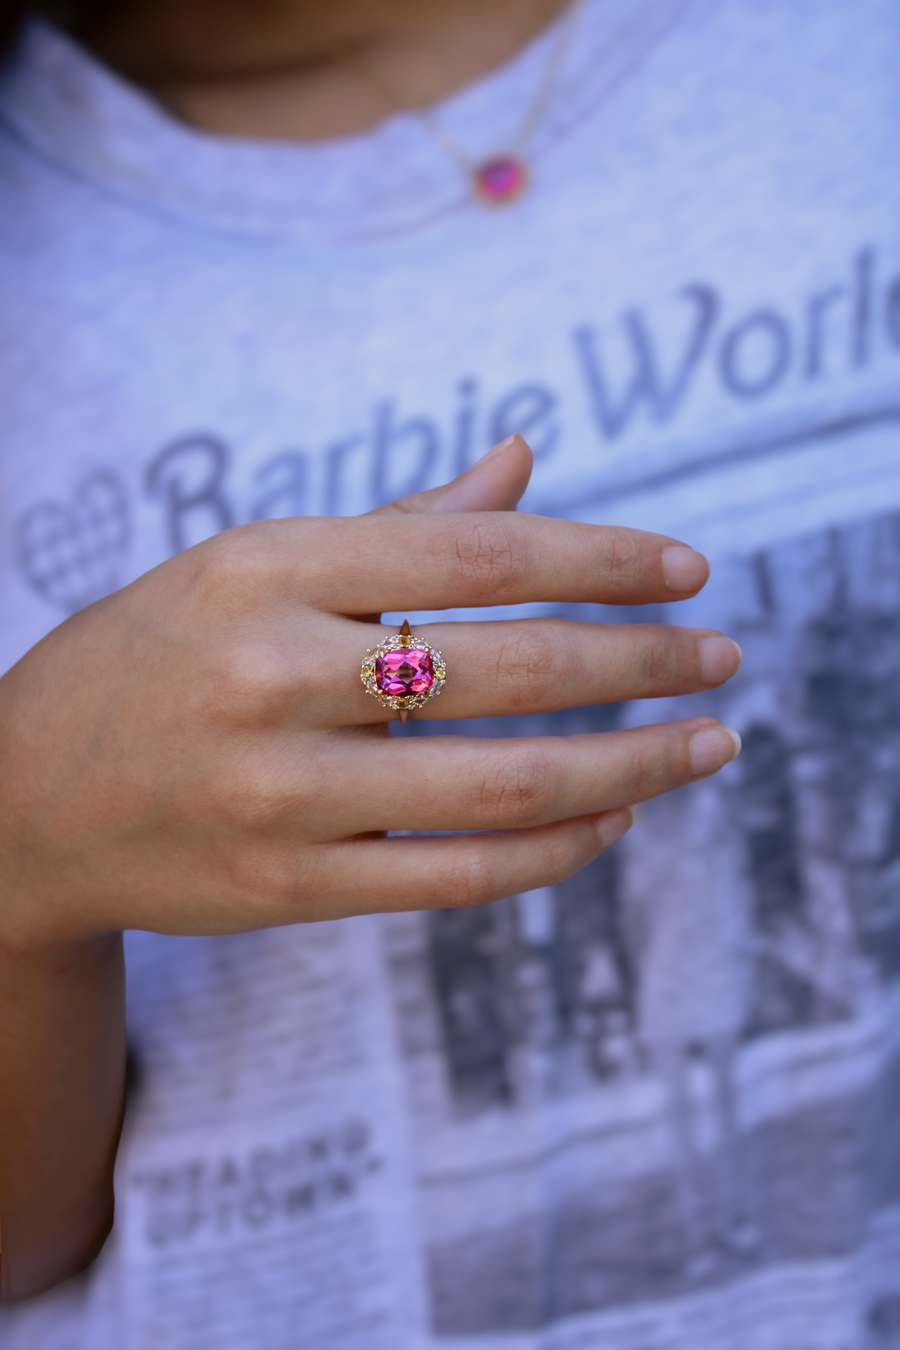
533, 665
468, 783
377, 875
484, 558
495, 483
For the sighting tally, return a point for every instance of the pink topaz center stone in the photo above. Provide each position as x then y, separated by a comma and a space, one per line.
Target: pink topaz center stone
405, 672
500, 179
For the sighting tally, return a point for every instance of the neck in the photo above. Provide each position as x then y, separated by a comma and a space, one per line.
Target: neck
303, 70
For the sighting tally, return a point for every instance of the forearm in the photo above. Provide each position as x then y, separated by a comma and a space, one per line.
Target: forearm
62, 1082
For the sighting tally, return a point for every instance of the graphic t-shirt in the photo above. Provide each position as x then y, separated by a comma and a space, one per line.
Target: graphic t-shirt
658, 1106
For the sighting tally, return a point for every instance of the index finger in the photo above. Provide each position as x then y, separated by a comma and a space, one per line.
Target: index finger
489, 558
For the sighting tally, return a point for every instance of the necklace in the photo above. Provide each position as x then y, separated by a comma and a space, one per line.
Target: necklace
505, 175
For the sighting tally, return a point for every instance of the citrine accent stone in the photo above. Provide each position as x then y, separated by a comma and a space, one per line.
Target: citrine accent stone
500, 179
405, 672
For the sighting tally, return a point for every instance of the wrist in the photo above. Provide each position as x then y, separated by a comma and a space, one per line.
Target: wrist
42, 947
38, 914
36, 921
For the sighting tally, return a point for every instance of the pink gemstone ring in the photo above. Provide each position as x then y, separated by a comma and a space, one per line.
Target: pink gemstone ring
403, 672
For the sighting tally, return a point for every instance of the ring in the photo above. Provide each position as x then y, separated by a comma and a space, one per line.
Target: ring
403, 672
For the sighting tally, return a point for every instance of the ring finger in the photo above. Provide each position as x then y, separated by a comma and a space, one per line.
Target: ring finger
529, 666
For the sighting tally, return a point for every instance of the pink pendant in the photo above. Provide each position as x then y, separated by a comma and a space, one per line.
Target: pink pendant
500, 180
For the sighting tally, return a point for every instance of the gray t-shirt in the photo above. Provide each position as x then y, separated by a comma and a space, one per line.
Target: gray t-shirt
657, 1108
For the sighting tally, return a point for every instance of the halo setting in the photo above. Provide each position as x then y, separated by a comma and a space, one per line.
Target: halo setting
403, 672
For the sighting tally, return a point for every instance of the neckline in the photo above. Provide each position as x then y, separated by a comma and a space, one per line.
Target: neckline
390, 180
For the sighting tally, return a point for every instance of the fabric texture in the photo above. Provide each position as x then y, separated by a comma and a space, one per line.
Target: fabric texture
656, 1107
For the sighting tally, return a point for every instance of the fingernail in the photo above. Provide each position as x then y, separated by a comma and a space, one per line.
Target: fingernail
496, 449
720, 658
612, 825
684, 568
712, 748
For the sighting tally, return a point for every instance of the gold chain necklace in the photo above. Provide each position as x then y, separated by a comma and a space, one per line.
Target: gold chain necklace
504, 175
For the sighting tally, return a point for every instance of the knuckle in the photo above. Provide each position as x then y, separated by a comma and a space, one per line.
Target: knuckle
648, 767
248, 684
258, 798
517, 787
659, 658
467, 882
530, 665
623, 558
235, 568
562, 854
268, 877
483, 554
279, 878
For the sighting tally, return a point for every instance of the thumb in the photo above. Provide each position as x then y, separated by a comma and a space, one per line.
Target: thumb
494, 483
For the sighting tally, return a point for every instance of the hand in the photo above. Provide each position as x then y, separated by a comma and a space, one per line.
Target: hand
196, 753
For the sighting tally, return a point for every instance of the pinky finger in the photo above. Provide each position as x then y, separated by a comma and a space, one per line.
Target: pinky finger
379, 875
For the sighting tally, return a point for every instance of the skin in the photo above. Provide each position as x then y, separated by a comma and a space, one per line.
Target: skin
301, 70
193, 755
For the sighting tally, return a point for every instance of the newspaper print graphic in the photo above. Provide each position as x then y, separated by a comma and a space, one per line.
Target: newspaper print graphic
691, 1051
263, 1190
